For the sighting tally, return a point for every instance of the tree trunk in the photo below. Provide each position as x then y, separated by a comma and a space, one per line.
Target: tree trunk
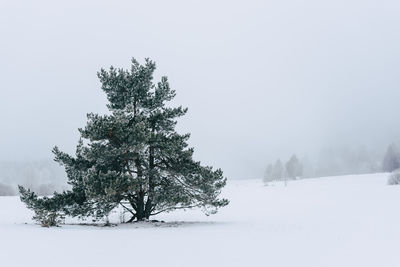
150, 193
131, 219
140, 205
140, 211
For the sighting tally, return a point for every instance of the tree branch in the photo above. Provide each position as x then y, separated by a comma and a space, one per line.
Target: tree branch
175, 208
130, 211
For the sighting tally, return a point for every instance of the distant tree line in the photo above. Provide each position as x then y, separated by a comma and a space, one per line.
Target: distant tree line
6, 190
391, 160
41, 176
391, 163
292, 169
332, 162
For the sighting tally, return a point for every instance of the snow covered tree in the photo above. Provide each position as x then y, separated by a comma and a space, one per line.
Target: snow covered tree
391, 160
293, 167
277, 172
132, 157
268, 173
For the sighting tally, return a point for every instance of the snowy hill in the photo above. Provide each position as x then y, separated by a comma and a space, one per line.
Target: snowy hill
332, 221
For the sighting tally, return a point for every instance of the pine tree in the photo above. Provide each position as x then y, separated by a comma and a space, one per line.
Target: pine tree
268, 173
277, 172
132, 157
293, 167
391, 160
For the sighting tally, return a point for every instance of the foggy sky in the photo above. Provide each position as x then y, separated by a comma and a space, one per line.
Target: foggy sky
261, 79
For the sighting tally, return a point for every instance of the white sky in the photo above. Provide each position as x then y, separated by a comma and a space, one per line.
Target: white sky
262, 79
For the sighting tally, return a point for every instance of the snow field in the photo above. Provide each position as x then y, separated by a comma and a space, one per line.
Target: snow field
331, 221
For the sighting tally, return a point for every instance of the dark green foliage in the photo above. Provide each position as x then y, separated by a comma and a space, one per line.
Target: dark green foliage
47, 210
132, 157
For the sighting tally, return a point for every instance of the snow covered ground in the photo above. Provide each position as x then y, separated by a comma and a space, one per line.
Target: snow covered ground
334, 221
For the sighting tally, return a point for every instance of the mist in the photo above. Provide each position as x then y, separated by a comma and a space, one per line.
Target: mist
262, 79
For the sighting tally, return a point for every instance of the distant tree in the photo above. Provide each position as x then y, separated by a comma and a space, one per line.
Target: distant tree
293, 167
391, 161
277, 172
268, 173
